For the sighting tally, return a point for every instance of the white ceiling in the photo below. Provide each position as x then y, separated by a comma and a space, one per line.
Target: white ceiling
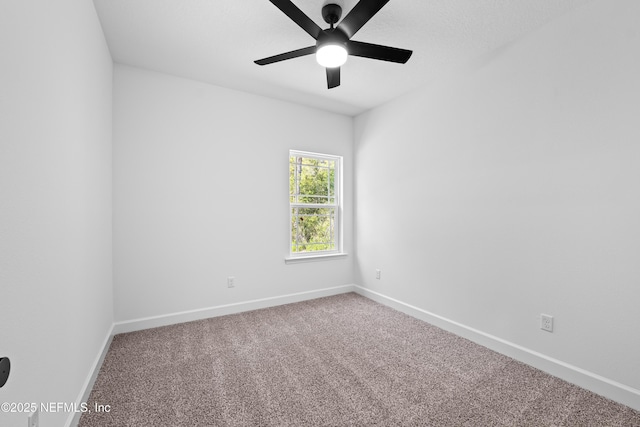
216, 41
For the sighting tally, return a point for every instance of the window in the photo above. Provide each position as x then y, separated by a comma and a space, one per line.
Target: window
314, 202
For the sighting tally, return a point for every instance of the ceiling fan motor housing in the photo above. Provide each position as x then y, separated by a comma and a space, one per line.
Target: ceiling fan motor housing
335, 36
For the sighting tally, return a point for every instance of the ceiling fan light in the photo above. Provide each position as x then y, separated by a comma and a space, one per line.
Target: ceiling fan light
331, 55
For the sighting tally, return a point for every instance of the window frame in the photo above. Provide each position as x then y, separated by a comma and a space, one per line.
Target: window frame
338, 220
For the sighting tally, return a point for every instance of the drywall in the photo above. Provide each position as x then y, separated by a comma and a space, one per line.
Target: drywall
511, 189
56, 301
201, 193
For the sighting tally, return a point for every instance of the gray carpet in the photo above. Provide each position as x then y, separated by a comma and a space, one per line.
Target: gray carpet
338, 361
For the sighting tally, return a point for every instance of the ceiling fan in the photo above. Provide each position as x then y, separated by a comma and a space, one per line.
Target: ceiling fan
334, 44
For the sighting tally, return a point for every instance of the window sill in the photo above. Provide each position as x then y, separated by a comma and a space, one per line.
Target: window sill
311, 258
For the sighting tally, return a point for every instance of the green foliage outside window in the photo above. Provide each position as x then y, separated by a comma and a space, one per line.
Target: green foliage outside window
313, 204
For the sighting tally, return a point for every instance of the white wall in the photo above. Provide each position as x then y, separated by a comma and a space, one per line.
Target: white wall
201, 193
512, 189
56, 300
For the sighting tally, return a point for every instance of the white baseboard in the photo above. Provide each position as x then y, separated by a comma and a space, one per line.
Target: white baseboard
74, 417
588, 380
222, 310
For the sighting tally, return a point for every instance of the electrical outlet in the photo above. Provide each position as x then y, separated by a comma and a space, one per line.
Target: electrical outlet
231, 282
546, 322
33, 419
377, 274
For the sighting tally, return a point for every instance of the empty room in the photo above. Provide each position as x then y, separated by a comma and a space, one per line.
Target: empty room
319, 212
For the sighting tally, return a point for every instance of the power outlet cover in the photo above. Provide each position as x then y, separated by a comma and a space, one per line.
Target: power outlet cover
546, 322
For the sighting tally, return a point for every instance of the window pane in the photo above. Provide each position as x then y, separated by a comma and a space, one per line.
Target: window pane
312, 229
311, 180
314, 202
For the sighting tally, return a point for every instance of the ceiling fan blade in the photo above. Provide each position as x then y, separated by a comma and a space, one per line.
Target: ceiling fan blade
298, 16
333, 77
288, 55
376, 51
359, 15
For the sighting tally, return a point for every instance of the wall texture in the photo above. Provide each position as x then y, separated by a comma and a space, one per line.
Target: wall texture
201, 193
512, 189
56, 300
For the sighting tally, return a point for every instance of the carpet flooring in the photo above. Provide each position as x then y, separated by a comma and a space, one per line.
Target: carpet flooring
337, 361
